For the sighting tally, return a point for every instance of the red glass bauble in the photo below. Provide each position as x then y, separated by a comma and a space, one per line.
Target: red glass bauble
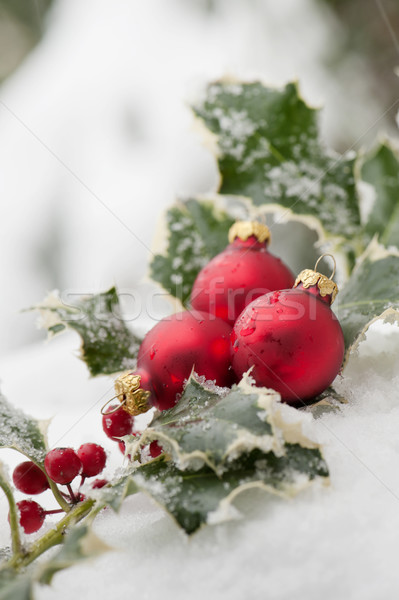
182, 342
244, 271
292, 339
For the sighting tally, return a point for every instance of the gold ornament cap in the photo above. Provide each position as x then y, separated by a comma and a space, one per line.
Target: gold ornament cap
133, 399
246, 229
311, 277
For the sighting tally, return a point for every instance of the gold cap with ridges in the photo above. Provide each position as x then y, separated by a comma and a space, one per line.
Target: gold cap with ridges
132, 397
246, 229
310, 277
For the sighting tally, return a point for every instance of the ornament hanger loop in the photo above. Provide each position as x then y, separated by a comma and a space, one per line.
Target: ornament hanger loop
110, 412
323, 256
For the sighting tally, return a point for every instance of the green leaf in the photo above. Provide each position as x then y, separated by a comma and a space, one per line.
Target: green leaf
381, 170
220, 443
108, 345
328, 401
80, 544
371, 293
114, 494
14, 586
21, 432
268, 149
197, 231
198, 496
207, 428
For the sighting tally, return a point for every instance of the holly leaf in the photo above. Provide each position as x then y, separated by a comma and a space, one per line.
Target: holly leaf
268, 149
21, 432
15, 587
196, 231
80, 544
328, 401
108, 345
114, 494
371, 293
381, 170
219, 443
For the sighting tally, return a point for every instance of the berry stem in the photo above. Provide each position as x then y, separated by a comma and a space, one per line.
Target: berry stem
16, 543
59, 496
54, 512
52, 538
73, 497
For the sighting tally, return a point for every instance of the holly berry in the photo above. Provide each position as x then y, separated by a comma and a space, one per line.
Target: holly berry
62, 465
29, 478
155, 449
31, 515
99, 483
244, 271
93, 459
117, 423
178, 344
291, 339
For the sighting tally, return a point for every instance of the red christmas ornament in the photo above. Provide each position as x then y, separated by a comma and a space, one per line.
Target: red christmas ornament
169, 352
291, 338
244, 271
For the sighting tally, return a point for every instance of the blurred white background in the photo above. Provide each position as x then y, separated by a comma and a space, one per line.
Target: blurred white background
97, 139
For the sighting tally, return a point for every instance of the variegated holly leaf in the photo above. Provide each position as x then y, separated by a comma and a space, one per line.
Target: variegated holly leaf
328, 401
80, 544
380, 169
197, 496
15, 587
268, 149
108, 345
196, 231
21, 432
371, 293
220, 442
114, 494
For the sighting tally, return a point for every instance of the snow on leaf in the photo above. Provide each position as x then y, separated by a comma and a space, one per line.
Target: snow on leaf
108, 345
21, 432
269, 150
220, 444
194, 497
80, 544
328, 401
381, 170
371, 293
197, 230
114, 494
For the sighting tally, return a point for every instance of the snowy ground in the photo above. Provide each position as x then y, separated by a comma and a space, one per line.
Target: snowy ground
335, 542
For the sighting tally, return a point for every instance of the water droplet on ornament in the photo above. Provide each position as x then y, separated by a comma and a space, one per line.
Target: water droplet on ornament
247, 331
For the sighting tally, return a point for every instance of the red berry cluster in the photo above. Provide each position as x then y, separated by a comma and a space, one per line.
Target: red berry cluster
117, 423
61, 465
